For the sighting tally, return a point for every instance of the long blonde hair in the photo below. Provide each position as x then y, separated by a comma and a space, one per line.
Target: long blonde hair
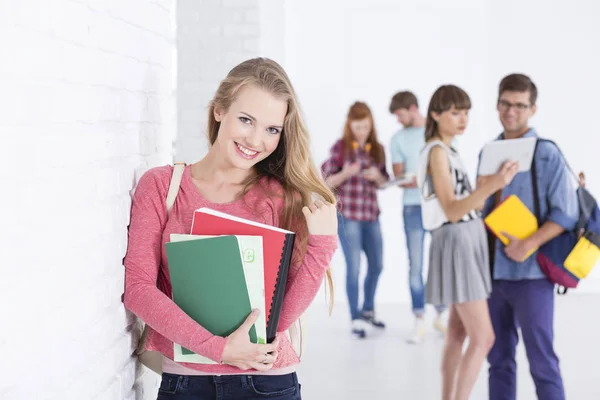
291, 164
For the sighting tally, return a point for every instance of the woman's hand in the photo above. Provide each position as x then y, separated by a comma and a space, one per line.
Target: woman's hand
411, 185
321, 218
500, 179
242, 353
373, 174
350, 169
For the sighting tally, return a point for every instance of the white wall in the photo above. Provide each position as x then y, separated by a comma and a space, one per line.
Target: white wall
213, 36
87, 102
358, 51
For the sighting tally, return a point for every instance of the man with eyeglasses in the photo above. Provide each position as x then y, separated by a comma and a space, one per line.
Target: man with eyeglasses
522, 296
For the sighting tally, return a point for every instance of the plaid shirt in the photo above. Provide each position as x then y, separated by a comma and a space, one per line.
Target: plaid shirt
357, 197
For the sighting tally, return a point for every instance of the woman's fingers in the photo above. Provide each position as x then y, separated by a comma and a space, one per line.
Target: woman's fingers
269, 347
250, 320
306, 211
260, 366
505, 167
269, 358
253, 365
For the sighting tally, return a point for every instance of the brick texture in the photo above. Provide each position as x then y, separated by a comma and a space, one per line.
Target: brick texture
87, 93
213, 36
93, 93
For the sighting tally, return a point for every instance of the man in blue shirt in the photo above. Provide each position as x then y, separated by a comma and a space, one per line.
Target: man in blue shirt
522, 296
405, 147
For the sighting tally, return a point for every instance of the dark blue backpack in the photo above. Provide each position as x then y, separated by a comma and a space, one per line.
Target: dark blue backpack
570, 256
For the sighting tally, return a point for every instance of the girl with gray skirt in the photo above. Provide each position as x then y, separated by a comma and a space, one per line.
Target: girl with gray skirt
459, 271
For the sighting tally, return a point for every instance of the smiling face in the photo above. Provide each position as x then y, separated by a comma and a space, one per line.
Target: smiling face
251, 128
515, 109
452, 122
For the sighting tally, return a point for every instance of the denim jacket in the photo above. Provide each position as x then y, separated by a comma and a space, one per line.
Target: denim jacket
558, 203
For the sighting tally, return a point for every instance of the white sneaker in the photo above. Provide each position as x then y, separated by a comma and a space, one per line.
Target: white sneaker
369, 316
441, 323
418, 333
360, 328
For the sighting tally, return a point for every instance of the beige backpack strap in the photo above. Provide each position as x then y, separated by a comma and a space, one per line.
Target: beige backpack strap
153, 359
297, 336
178, 169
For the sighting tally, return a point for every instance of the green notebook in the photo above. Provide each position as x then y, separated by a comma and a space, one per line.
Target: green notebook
252, 256
208, 283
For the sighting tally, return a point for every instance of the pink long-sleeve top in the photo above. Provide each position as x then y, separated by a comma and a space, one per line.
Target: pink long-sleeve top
147, 283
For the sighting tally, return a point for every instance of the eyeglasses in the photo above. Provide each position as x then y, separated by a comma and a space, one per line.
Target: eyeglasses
506, 106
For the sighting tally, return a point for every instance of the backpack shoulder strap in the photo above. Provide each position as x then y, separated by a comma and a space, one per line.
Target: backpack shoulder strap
424, 163
178, 169
424, 157
562, 156
296, 332
536, 197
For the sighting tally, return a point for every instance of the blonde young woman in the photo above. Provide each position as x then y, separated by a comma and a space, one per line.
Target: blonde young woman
459, 270
258, 167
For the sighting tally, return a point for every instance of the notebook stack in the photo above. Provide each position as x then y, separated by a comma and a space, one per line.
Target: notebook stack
223, 269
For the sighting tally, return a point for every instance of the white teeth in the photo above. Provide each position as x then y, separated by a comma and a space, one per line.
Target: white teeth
246, 151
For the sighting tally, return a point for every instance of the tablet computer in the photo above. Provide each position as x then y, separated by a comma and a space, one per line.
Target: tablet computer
495, 153
399, 180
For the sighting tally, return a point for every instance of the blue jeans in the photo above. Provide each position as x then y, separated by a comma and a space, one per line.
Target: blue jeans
415, 241
528, 304
356, 236
229, 387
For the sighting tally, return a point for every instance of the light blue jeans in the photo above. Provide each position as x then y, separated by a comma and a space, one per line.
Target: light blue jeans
415, 242
355, 237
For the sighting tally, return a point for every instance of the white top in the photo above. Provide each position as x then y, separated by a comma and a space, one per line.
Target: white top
432, 212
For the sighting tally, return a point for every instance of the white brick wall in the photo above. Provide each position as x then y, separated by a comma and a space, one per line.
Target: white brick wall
87, 104
214, 36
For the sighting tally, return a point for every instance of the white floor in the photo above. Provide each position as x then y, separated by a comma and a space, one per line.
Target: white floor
335, 366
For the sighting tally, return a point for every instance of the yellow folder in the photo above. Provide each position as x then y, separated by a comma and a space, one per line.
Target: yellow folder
513, 217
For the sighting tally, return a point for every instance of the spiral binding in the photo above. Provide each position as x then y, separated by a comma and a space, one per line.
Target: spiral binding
277, 298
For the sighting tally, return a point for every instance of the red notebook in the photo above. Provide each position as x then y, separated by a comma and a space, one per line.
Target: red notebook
277, 248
